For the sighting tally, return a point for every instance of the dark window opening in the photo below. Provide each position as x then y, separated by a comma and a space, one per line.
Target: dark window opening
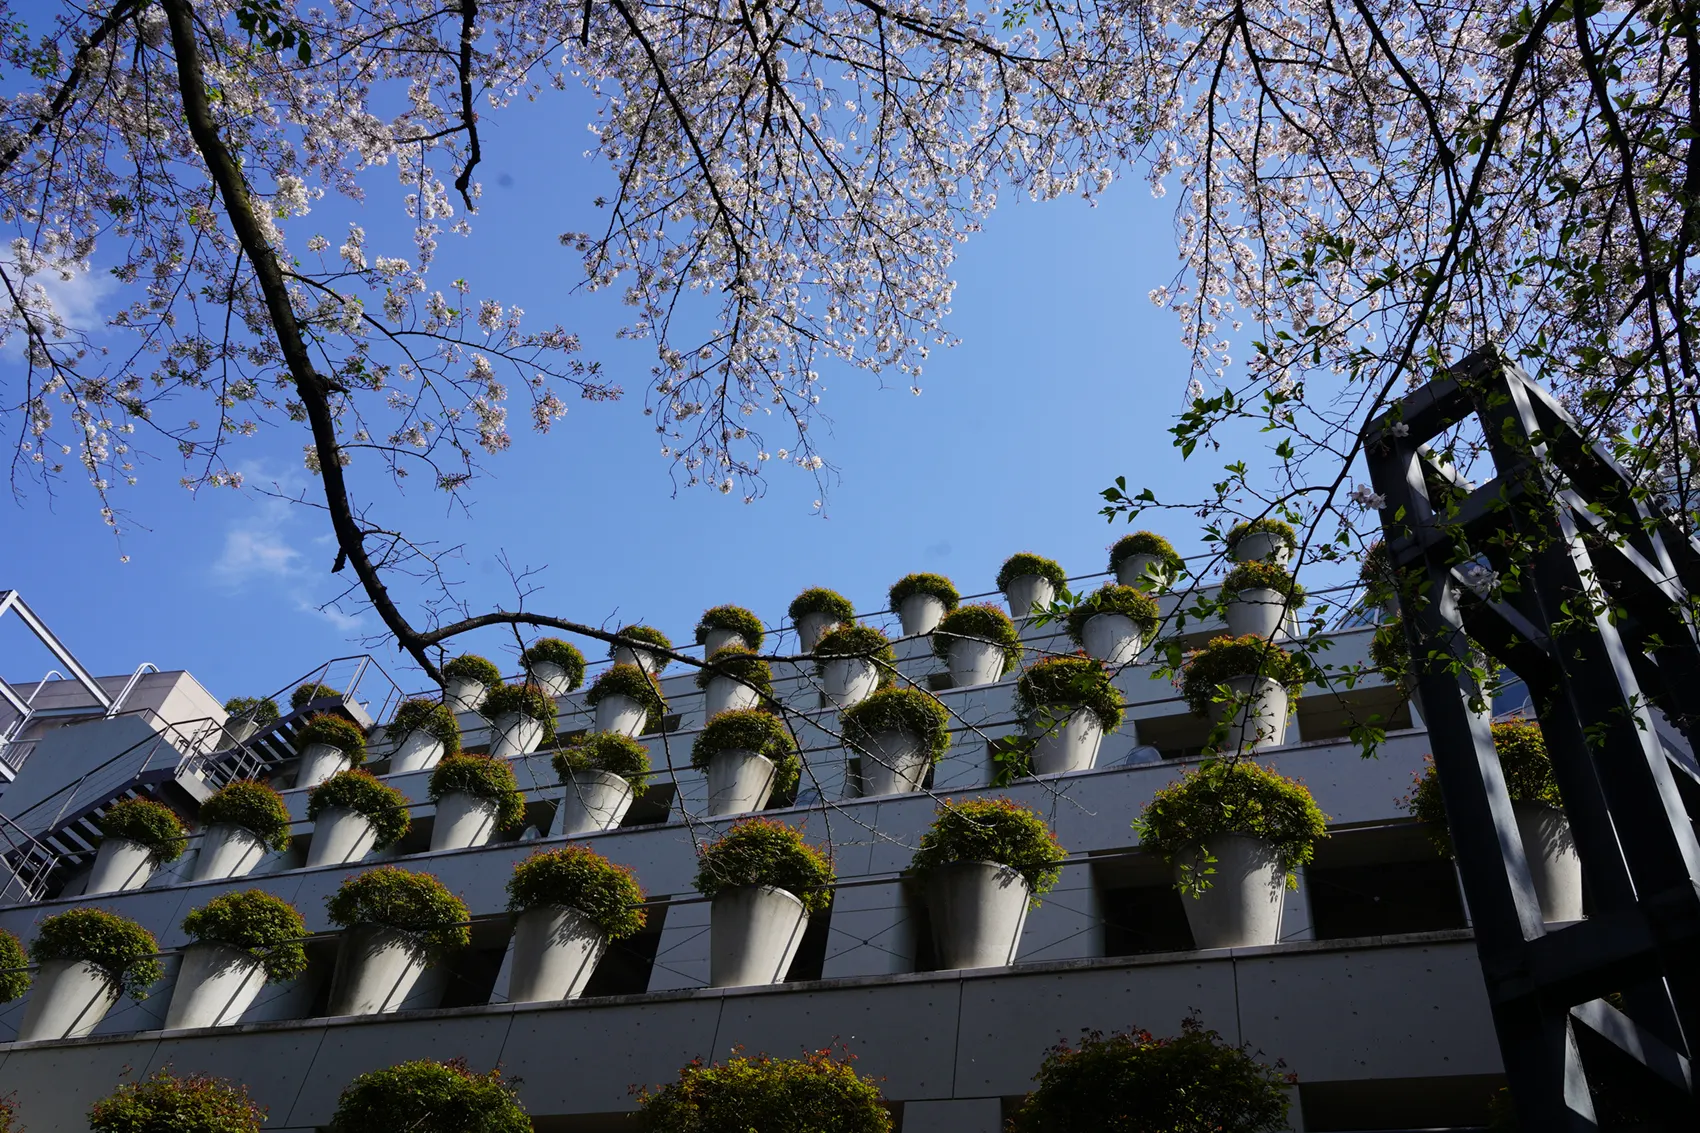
471, 975
626, 966
1384, 899
938, 682
653, 806
666, 725
810, 960
1144, 918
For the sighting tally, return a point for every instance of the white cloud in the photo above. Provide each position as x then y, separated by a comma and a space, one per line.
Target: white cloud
250, 553
262, 549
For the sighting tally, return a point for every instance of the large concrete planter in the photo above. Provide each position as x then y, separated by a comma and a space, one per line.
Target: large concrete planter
240, 731
120, 864
978, 910
227, 851
642, 658
216, 984
340, 836
378, 967
513, 734
465, 694
847, 681
738, 782
893, 763
417, 751
1111, 638
67, 1000
462, 820
318, 763
1258, 717
715, 640
726, 694
1261, 546
594, 801
753, 935
551, 678
1242, 906
1145, 572
555, 951
1258, 611
920, 613
1065, 743
811, 628
1027, 591
620, 714
974, 662
1553, 863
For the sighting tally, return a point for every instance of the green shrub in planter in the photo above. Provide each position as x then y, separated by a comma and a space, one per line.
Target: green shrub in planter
751, 729
645, 637
1025, 563
433, 717
628, 680
165, 1103
554, 651
981, 621
1067, 683
759, 851
262, 710
937, 585
735, 619
992, 830
384, 806
430, 1097
606, 751
856, 640
266, 927
147, 823
528, 700
253, 806
1113, 598
1238, 797
124, 951
482, 778
472, 667
580, 878
1524, 762
742, 665
9, 1115
415, 904
310, 692
14, 968
899, 710
1133, 1082
1227, 657
820, 600
1147, 543
337, 731
1269, 525
1263, 576
817, 1093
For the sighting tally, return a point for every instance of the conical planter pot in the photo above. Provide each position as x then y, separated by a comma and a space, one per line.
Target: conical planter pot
1028, 591
1259, 718
642, 658
513, 734
551, 678
1242, 906
227, 851
1262, 547
594, 801
724, 694
754, 932
555, 951
715, 640
978, 910
68, 999
1260, 611
340, 836
811, 628
417, 751
1553, 863
462, 820
920, 613
1111, 638
318, 763
622, 715
379, 966
738, 782
893, 763
120, 864
239, 731
974, 662
1144, 572
847, 681
465, 694
1065, 743
216, 984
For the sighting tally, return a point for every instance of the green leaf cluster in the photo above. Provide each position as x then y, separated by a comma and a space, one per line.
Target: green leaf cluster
260, 709
483, 778
1147, 543
1025, 563
360, 791
416, 904
980, 622
1112, 598
1376, 573
472, 667
310, 692
149, 824
817, 1093
922, 582
334, 731
1523, 761
527, 700
165, 1103
580, 878
644, 637
734, 618
554, 651
1267, 525
1067, 683
124, 952
253, 806
753, 730
252, 920
628, 681
1227, 657
992, 830
759, 851
1263, 576
1234, 797
856, 640
606, 751
433, 717
14, 969
820, 600
430, 1097
899, 710
742, 665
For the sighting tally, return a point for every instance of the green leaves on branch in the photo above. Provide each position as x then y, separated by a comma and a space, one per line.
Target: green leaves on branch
1113, 598
1263, 576
1524, 763
1147, 543
1056, 686
1224, 658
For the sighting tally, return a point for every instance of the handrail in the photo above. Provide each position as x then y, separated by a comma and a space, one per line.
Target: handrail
42, 683
117, 705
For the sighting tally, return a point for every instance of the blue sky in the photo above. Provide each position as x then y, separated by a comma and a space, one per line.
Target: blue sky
1066, 378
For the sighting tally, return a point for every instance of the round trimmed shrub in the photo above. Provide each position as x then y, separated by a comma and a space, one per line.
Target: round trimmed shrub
334, 731
856, 640
554, 651
759, 851
149, 824
310, 692
980, 622
262, 710
472, 667
1113, 598
742, 665
1025, 563
812, 1094
1524, 762
124, 952
1238, 797
165, 1103
1227, 657
252, 920
753, 730
629, 681
430, 1097
606, 751
644, 637
14, 969
923, 582
820, 600
360, 791
415, 904
1267, 525
433, 717
1132, 1082
1263, 576
580, 878
526, 699
483, 778
899, 710
253, 806
1147, 543
992, 830
1069, 683
737, 620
